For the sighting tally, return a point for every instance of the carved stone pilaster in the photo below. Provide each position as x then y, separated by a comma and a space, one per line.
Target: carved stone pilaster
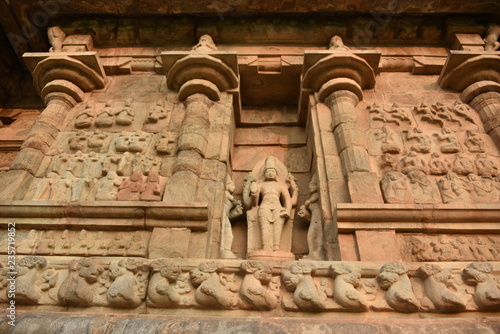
476, 75
484, 97
61, 79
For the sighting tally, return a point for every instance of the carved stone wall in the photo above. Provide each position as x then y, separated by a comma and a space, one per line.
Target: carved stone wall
292, 181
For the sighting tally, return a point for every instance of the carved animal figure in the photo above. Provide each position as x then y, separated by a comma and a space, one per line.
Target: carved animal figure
306, 296
344, 288
28, 269
437, 283
487, 294
253, 291
211, 293
77, 290
399, 295
169, 289
126, 290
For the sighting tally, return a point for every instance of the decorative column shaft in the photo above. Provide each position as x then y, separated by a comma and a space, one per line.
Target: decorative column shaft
349, 138
484, 97
44, 131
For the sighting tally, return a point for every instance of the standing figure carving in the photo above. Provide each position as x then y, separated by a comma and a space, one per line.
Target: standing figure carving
232, 209
269, 204
311, 211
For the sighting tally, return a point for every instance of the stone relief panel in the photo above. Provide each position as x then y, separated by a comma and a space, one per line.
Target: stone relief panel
433, 153
444, 248
304, 286
79, 243
90, 282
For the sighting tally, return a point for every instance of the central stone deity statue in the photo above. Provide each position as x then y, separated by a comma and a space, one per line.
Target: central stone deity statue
269, 199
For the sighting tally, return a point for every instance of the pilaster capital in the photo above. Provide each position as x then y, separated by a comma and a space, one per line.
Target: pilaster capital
69, 73
465, 68
327, 71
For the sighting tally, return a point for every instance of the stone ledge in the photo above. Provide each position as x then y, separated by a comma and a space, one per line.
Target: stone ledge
52, 322
418, 217
192, 215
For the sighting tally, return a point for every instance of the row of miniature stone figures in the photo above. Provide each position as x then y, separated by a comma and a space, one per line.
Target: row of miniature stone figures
81, 243
458, 248
310, 286
67, 187
417, 187
433, 114
96, 165
124, 116
439, 165
122, 142
391, 141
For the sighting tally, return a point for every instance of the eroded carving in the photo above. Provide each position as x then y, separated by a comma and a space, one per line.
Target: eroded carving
168, 287
257, 291
79, 288
232, 209
306, 296
129, 283
438, 287
346, 280
487, 293
395, 188
212, 290
399, 295
311, 211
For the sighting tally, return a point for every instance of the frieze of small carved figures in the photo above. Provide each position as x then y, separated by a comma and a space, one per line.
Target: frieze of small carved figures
417, 187
169, 287
132, 142
457, 248
395, 114
140, 188
82, 243
96, 141
458, 114
259, 289
214, 289
313, 287
108, 116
